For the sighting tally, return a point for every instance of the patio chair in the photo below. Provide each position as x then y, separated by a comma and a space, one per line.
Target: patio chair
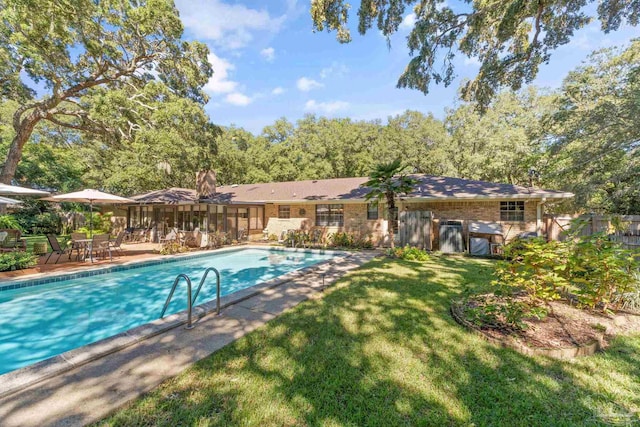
141, 235
117, 244
171, 236
56, 248
12, 241
78, 244
192, 238
100, 245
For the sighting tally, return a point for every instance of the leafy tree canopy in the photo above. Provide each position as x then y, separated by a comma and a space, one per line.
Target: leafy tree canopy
55, 55
510, 38
594, 135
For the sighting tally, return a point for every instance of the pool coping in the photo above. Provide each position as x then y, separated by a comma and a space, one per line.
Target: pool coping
18, 379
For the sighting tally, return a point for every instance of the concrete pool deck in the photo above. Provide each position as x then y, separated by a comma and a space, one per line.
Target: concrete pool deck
95, 389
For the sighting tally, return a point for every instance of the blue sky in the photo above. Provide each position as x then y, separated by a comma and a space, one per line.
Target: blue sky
269, 64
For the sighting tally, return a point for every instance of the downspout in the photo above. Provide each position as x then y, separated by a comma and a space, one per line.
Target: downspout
539, 213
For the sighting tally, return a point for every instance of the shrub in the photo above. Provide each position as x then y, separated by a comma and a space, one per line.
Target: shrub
350, 240
409, 253
601, 271
296, 238
172, 248
9, 221
534, 266
38, 217
17, 260
487, 311
342, 240
45, 223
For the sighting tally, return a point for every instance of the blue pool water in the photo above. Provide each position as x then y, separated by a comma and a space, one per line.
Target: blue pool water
42, 321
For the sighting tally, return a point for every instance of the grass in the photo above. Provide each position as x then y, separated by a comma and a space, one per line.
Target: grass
381, 349
41, 238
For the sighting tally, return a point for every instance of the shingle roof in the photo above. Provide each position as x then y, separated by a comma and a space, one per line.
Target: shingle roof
348, 189
168, 196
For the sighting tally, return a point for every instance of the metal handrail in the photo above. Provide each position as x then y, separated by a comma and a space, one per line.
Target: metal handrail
206, 273
189, 303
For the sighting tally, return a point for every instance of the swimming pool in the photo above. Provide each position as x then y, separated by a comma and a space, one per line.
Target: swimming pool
39, 322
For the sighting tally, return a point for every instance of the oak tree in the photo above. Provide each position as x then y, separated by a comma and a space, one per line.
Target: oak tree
510, 38
55, 55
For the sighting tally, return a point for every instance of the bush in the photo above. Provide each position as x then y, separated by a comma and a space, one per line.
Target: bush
101, 224
489, 311
602, 271
409, 253
17, 260
536, 267
350, 241
9, 221
173, 248
38, 217
46, 223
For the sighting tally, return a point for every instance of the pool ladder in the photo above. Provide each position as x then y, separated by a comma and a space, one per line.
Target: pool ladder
190, 300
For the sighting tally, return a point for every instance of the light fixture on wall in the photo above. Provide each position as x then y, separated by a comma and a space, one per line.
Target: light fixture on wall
302, 212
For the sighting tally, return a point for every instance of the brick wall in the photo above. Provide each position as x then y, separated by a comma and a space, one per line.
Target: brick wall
355, 219
486, 211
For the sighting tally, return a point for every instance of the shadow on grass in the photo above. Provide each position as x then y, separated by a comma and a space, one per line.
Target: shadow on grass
381, 349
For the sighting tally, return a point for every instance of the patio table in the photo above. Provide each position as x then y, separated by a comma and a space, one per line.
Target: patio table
84, 244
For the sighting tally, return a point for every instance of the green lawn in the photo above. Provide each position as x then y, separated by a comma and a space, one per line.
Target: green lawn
33, 239
62, 239
381, 349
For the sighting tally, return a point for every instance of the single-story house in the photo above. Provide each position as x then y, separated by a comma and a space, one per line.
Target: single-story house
260, 210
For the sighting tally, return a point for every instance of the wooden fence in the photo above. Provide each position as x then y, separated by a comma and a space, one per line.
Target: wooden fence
622, 228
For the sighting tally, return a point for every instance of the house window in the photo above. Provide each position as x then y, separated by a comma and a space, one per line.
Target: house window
330, 215
372, 211
512, 211
284, 211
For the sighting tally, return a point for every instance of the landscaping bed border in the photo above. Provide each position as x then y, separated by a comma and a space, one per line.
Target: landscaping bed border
563, 353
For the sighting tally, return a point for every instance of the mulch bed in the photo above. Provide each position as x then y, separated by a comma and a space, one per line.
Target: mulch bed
566, 327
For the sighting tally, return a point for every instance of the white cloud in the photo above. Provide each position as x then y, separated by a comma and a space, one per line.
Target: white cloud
239, 99
305, 84
277, 91
336, 69
268, 53
325, 107
230, 26
471, 61
219, 81
220, 84
408, 21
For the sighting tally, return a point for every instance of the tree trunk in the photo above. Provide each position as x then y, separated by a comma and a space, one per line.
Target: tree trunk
23, 133
391, 207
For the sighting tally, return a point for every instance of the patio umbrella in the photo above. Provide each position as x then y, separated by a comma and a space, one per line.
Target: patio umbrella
89, 196
8, 201
14, 190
